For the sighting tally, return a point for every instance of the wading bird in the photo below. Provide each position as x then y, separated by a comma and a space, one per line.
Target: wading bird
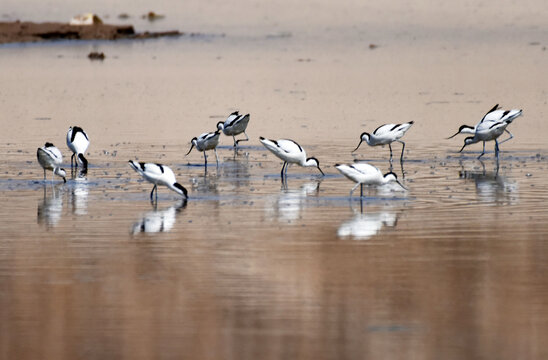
291, 153
365, 174
204, 142
234, 125
50, 158
158, 174
493, 115
487, 131
386, 135
77, 142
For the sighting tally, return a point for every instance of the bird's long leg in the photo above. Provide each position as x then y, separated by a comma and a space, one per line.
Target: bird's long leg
402, 149
71, 159
235, 142
283, 167
205, 159
497, 149
246, 139
216, 157
354, 188
285, 172
361, 190
152, 192
505, 140
483, 151
390, 147
44, 174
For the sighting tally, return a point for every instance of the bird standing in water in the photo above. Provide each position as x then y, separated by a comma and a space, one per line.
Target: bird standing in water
235, 124
291, 153
77, 142
366, 174
50, 158
386, 135
158, 174
204, 142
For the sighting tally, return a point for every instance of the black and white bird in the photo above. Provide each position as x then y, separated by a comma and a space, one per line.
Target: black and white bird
158, 174
366, 174
386, 135
493, 115
204, 142
50, 158
77, 142
488, 130
234, 124
291, 153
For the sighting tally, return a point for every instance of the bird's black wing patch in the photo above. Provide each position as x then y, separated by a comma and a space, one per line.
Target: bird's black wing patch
395, 127
161, 167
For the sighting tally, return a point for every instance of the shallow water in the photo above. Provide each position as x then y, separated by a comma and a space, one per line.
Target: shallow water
454, 265
453, 268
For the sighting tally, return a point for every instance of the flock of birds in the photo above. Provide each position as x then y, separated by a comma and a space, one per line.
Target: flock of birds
490, 128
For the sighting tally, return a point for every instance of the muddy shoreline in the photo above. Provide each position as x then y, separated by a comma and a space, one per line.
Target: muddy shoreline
21, 32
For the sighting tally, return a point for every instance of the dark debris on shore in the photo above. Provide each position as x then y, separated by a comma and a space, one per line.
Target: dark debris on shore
19, 32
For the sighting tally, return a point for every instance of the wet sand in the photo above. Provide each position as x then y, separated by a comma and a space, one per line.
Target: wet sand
453, 268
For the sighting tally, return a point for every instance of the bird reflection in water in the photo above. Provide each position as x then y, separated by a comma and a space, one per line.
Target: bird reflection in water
159, 220
79, 192
50, 209
491, 186
287, 206
364, 225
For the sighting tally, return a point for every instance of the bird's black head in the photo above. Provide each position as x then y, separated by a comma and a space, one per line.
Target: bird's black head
220, 125
463, 127
182, 190
314, 162
48, 144
467, 141
364, 136
391, 173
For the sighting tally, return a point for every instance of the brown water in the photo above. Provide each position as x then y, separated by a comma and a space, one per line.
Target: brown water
453, 268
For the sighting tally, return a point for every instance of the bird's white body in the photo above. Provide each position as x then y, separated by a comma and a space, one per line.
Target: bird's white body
207, 141
235, 124
386, 135
204, 142
491, 127
158, 174
290, 152
365, 174
493, 115
50, 158
502, 115
77, 142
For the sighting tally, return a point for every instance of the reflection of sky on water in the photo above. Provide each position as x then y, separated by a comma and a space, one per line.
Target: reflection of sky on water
159, 220
287, 205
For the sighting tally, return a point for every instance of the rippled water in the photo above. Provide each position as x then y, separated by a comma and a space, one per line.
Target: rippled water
246, 266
